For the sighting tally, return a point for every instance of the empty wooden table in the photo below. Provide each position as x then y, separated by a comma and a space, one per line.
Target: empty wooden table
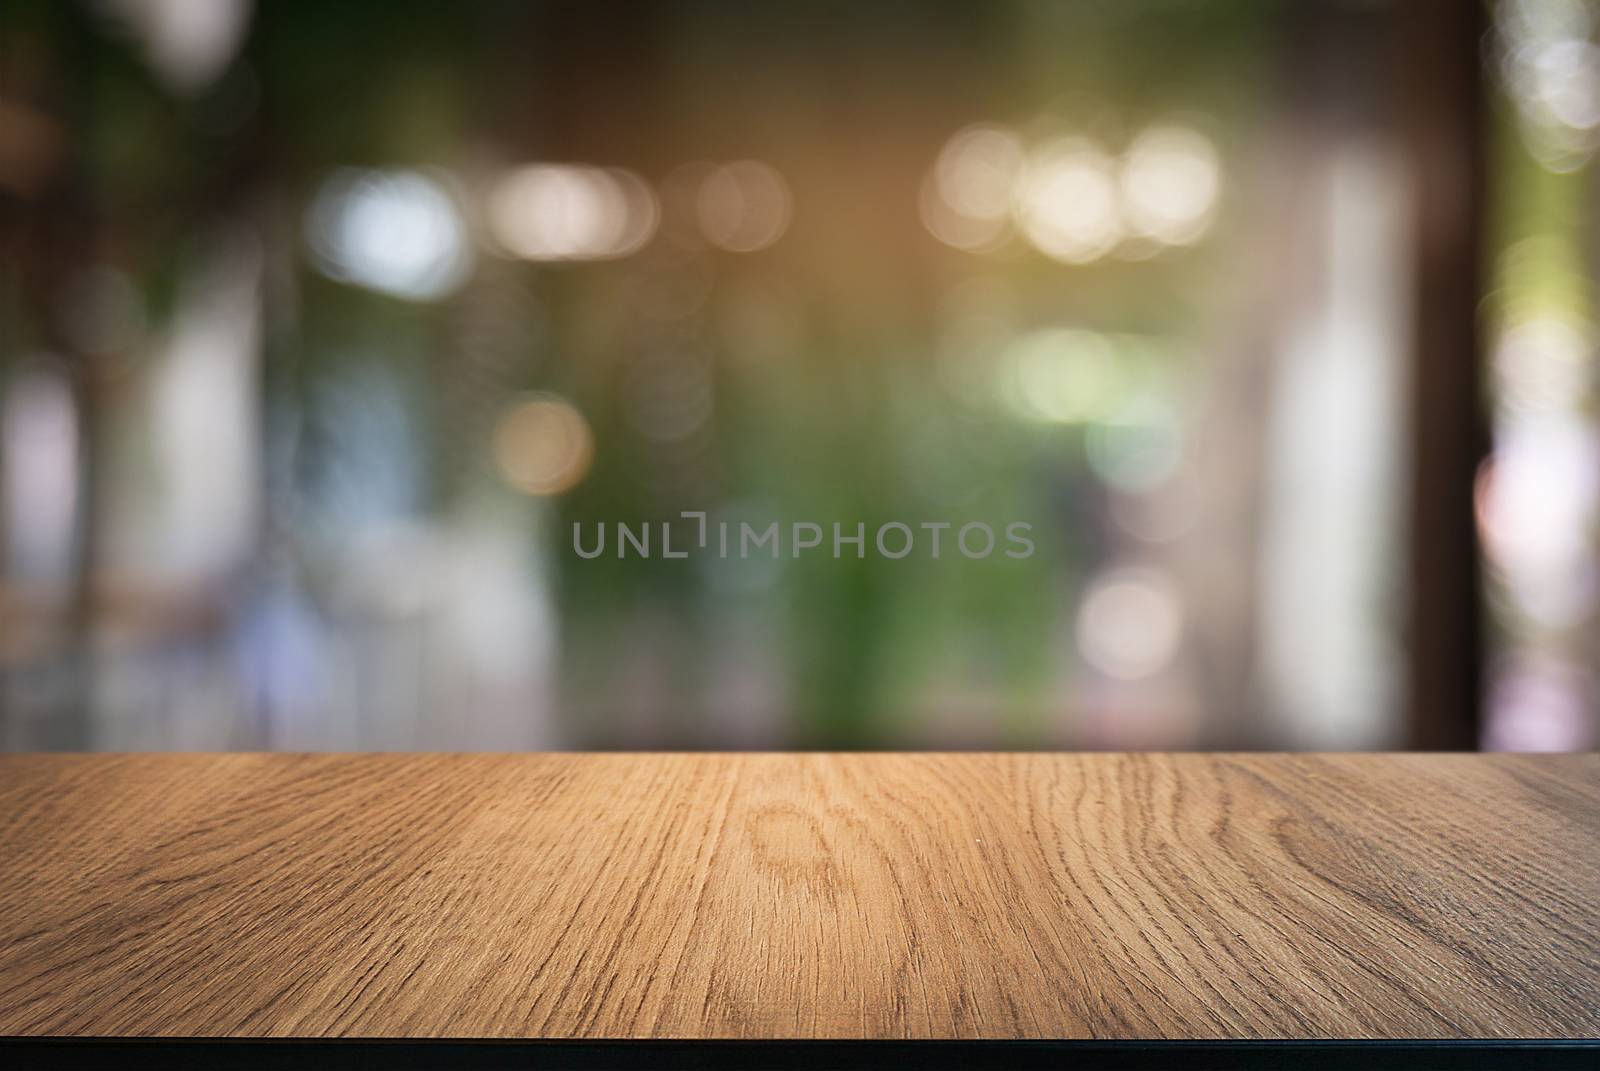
784, 896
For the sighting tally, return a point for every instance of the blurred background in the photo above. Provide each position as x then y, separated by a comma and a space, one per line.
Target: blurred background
322, 325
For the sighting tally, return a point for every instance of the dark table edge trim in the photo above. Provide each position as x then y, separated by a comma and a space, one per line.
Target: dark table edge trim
402, 1054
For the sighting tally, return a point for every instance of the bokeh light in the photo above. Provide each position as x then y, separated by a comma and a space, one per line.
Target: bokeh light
562, 212
188, 44
667, 396
1169, 181
1130, 623
1060, 375
975, 235
966, 199
1138, 446
1536, 500
1067, 201
1542, 364
1550, 66
543, 445
743, 206
1541, 704
395, 232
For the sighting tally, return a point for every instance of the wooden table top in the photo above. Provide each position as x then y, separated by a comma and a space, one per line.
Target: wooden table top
804, 895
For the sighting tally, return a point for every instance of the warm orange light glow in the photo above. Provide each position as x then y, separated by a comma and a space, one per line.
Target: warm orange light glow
543, 446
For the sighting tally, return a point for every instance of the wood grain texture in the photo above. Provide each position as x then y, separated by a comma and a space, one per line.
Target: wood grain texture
998, 896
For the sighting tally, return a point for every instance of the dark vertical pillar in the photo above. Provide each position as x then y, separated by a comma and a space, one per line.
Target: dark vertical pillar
1441, 100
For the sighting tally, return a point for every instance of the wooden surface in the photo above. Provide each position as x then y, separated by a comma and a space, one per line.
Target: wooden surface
998, 896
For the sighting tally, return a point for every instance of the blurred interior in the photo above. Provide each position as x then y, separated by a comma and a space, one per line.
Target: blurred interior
324, 324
